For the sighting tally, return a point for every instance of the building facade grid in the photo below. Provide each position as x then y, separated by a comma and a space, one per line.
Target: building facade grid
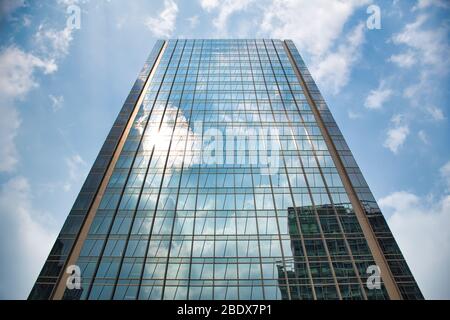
172, 225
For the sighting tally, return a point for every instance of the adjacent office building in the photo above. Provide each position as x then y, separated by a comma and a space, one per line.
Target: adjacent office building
225, 176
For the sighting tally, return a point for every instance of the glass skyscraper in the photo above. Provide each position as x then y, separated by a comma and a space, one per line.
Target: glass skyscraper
225, 177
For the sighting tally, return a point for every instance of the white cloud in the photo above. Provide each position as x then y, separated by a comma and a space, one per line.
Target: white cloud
193, 21
26, 21
57, 102
319, 35
422, 4
403, 60
424, 46
17, 77
17, 69
421, 228
313, 25
396, 138
9, 125
423, 136
445, 174
76, 167
396, 135
67, 3
379, 96
436, 113
421, 90
333, 53
428, 46
54, 43
227, 8
354, 115
26, 239
164, 24
209, 4
334, 70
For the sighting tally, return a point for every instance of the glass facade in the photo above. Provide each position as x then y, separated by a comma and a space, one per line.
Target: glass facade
231, 183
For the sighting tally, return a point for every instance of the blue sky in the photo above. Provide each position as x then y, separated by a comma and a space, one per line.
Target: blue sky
61, 89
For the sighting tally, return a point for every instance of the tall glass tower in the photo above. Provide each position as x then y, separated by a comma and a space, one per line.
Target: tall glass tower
225, 177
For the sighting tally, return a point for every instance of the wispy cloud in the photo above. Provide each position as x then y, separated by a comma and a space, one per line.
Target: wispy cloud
193, 21
427, 46
420, 89
322, 17
354, 115
420, 226
67, 3
397, 134
26, 239
404, 60
334, 70
424, 46
76, 167
209, 4
17, 78
225, 10
423, 136
57, 102
435, 113
421, 52
378, 97
445, 174
164, 24
9, 126
54, 43
17, 69
422, 4
333, 53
